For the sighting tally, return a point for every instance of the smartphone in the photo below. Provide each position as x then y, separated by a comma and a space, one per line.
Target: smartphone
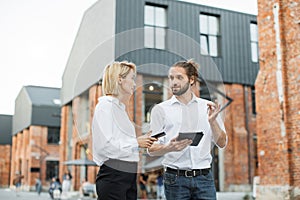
158, 135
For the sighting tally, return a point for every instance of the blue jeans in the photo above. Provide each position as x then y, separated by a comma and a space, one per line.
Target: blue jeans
181, 187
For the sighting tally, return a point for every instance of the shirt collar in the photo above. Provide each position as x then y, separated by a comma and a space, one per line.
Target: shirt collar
174, 100
115, 100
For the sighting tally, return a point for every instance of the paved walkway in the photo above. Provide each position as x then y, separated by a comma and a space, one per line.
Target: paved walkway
8, 194
233, 196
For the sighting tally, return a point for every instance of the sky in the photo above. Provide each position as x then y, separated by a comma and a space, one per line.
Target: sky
36, 37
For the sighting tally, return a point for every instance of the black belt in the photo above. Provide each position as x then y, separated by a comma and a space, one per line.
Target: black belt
188, 173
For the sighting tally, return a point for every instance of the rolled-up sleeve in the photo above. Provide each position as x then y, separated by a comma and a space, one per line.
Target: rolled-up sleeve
157, 122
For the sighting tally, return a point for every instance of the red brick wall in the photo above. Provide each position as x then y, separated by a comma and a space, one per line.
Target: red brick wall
25, 155
63, 150
78, 142
279, 152
5, 165
94, 93
75, 139
240, 139
13, 160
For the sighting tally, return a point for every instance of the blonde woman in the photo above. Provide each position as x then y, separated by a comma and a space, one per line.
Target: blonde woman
115, 146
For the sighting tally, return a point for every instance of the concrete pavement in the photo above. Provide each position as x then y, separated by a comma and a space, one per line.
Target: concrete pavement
9, 194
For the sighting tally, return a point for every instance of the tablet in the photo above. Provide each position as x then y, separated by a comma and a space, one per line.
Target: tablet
194, 136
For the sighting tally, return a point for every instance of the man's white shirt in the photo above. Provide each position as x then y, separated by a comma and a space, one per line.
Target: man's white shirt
172, 117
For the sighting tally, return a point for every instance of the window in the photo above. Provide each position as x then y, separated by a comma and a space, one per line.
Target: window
53, 135
255, 154
209, 35
253, 100
153, 94
254, 42
155, 27
52, 169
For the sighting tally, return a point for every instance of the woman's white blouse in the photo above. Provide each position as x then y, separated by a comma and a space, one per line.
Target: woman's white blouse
113, 133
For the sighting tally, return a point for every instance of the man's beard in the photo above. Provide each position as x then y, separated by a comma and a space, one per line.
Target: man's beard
182, 90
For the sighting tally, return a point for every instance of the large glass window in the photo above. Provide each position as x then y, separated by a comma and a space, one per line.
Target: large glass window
155, 27
52, 169
254, 42
209, 35
153, 91
53, 135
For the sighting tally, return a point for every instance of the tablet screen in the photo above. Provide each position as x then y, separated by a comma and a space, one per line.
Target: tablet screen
194, 136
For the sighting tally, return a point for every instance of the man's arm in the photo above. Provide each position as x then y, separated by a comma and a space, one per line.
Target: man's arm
219, 135
161, 149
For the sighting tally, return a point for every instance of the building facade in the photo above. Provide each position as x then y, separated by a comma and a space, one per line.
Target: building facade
36, 136
278, 102
223, 42
5, 148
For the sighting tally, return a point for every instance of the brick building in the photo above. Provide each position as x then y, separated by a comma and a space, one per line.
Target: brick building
5, 149
36, 134
223, 42
278, 100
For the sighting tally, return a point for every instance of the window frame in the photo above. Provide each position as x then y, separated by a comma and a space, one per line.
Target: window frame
253, 96
154, 43
50, 132
254, 41
206, 35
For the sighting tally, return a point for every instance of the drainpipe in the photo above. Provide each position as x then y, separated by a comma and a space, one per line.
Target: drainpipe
279, 78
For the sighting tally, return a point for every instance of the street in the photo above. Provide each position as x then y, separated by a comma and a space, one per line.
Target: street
9, 194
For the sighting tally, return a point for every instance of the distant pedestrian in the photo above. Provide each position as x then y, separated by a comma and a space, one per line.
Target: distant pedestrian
143, 185
38, 185
17, 181
55, 188
160, 192
66, 184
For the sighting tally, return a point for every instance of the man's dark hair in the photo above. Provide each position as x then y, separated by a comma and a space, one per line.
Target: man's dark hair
191, 68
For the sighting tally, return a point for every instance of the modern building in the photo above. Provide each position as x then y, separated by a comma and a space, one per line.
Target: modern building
5, 149
278, 102
36, 135
154, 34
